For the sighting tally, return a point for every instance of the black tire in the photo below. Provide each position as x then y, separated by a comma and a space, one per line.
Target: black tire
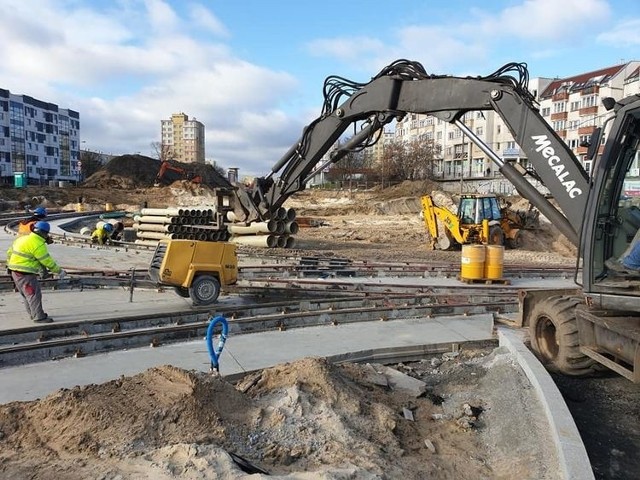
515, 242
204, 290
182, 291
496, 235
553, 333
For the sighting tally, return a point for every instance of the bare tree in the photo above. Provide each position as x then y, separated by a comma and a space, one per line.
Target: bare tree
413, 160
91, 163
162, 151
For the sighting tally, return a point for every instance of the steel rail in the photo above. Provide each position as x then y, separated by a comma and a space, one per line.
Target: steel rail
51, 341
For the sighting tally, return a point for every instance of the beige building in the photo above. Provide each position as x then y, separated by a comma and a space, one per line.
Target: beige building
572, 106
183, 139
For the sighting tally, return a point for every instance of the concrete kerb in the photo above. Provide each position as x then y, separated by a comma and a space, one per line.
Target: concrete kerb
572, 456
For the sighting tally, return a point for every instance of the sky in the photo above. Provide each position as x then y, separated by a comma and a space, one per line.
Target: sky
252, 71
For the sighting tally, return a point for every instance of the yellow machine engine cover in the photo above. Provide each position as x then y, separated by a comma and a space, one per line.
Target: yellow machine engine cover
183, 259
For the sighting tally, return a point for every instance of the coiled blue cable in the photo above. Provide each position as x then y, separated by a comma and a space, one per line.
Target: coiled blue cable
214, 353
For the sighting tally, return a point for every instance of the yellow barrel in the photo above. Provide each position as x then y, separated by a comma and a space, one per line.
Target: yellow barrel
494, 262
108, 207
79, 207
472, 262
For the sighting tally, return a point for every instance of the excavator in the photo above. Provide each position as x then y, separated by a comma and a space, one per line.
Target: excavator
167, 174
576, 331
480, 219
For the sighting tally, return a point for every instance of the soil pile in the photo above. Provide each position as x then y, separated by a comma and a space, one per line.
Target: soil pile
473, 417
139, 171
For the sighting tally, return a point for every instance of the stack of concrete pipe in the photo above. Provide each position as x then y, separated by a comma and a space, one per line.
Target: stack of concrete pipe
277, 232
178, 223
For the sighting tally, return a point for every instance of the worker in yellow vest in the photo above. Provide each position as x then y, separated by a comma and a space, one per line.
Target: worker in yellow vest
27, 258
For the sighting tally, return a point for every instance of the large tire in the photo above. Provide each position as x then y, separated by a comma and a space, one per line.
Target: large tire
496, 235
554, 337
204, 290
182, 291
515, 242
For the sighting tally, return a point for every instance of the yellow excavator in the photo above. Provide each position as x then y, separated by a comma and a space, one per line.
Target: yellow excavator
480, 219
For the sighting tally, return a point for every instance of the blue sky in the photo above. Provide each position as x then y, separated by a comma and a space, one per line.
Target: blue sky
252, 70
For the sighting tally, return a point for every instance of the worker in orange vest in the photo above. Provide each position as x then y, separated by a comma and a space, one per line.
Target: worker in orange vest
25, 227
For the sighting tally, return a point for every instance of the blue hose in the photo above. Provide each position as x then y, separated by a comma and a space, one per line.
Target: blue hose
214, 354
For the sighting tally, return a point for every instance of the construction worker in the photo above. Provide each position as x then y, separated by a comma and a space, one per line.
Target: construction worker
102, 234
26, 259
25, 227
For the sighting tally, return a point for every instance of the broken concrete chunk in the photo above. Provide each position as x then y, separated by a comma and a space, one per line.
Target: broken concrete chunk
398, 381
408, 414
429, 444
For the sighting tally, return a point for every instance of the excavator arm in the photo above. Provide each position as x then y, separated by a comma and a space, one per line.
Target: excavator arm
404, 87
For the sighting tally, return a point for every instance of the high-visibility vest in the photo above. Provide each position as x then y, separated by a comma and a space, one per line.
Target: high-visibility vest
29, 254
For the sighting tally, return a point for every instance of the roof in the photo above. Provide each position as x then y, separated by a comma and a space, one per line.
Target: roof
633, 75
582, 81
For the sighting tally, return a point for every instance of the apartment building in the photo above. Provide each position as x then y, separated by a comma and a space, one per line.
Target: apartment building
572, 106
38, 140
183, 139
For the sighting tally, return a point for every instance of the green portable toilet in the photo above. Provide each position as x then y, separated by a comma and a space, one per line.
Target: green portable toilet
20, 179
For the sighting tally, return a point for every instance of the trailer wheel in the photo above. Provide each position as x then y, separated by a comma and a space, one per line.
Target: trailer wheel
204, 290
554, 337
496, 235
182, 291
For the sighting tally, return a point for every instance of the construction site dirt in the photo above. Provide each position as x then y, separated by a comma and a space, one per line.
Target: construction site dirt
327, 421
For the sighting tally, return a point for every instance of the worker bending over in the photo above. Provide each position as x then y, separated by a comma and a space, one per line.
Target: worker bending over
26, 259
102, 234
25, 227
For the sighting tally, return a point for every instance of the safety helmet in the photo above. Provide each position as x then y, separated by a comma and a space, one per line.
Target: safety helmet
108, 227
40, 212
41, 227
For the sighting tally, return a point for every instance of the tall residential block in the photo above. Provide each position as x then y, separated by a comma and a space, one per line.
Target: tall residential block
182, 139
38, 140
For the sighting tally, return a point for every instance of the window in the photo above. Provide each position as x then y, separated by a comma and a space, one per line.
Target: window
546, 111
575, 106
479, 131
559, 107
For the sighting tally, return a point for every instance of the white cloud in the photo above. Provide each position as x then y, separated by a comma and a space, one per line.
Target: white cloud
546, 20
624, 34
204, 18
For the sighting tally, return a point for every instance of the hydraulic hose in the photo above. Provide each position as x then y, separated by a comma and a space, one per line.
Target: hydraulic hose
214, 353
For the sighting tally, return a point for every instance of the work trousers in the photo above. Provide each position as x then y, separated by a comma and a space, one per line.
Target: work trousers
29, 287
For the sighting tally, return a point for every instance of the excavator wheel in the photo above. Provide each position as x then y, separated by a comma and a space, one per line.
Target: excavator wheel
496, 235
204, 290
553, 331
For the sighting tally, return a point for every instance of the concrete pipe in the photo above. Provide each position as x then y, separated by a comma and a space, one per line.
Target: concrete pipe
257, 227
291, 242
231, 216
153, 227
280, 214
281, 241
155, 235
291, 227
100, 224
291, 215
269, 241
155, 219
85, 231
280, 227
167, 212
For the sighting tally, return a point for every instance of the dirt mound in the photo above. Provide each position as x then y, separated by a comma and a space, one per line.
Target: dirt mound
139, 171
331, 421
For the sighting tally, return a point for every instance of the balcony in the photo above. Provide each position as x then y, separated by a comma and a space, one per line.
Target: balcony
585, 130
582, 150
590, 90
564, 95
588, 111
559, 116
562, 134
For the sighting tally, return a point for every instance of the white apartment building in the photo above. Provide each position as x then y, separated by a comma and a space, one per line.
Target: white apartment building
38, 140
183, 139
572, 106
